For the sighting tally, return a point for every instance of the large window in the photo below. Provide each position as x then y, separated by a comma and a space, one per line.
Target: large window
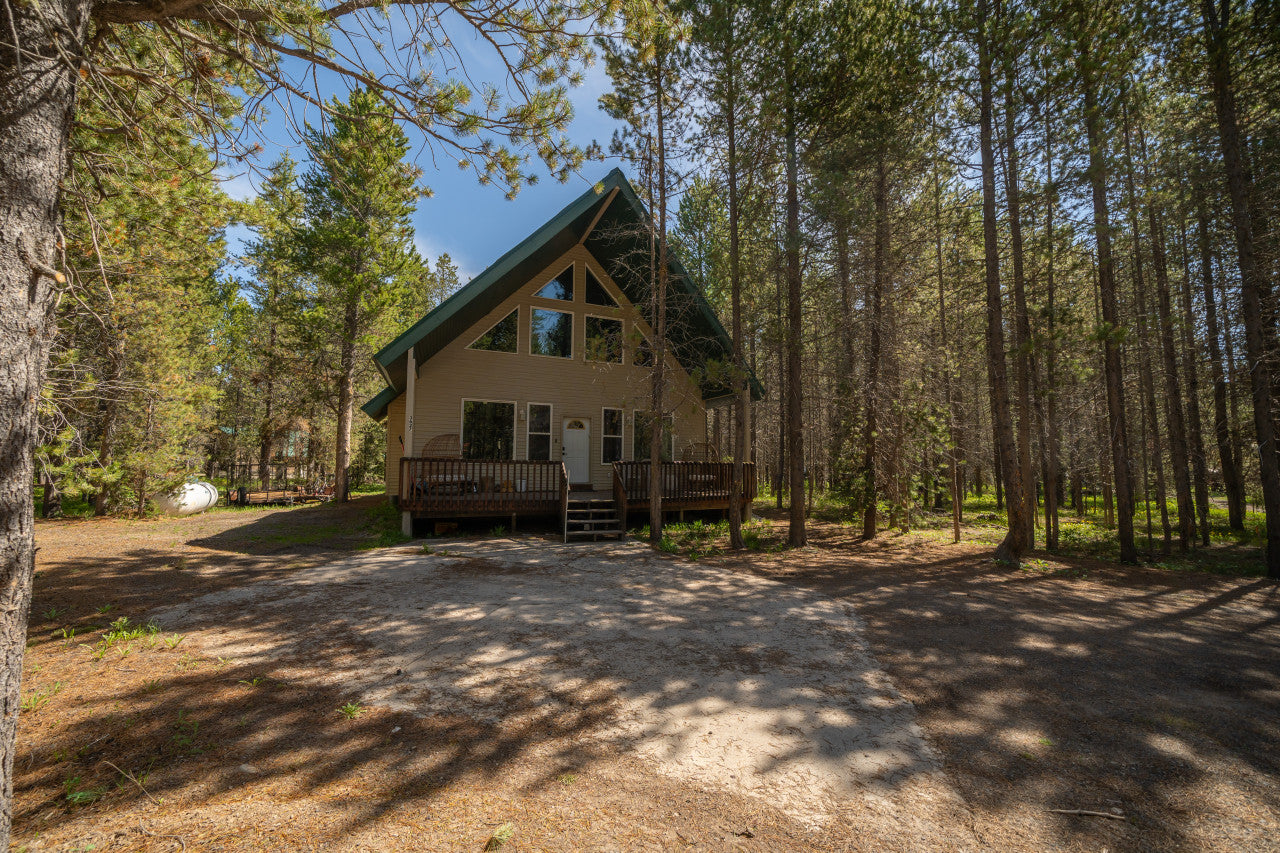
642, 432
539, 432
551, 333
604, 339
596, 294
488, 429
501, 336
611, 443
560, 287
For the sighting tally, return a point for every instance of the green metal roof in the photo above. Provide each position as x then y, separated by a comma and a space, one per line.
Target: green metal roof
695, 334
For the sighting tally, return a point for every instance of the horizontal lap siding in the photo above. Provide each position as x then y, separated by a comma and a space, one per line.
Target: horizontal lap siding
573, 387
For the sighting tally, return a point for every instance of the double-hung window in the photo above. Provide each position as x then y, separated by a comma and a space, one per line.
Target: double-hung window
488, 429
539, 432
611, 436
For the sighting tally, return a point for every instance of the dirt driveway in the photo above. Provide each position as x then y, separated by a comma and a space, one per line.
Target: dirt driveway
609, 698
735, 682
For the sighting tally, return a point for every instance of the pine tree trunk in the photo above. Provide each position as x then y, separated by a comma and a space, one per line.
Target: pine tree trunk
38, 94
346, 402
875, 319
743, 396
1022, 325
944, 352
1017, 540
1152, 453
1113, 372
1172, 385
1053, 474
266, 434
796, 534
1195, 424
1233, 482
659, 282
1252, 287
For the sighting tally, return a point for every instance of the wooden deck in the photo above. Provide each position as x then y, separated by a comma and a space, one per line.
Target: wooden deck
685, 486
457, 488
432, 487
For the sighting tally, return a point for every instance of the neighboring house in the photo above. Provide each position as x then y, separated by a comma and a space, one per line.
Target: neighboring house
527, 392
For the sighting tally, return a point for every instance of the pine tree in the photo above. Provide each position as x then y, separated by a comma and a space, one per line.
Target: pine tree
354, 248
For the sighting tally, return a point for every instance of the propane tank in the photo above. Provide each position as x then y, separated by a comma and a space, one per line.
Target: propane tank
188, 499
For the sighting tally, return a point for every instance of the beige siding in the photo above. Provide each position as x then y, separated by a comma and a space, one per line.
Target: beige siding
575, 388
395, 430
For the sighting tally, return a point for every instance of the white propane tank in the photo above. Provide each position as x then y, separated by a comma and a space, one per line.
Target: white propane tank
188, 499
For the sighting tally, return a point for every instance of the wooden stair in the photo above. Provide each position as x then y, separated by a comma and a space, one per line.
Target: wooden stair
591, 519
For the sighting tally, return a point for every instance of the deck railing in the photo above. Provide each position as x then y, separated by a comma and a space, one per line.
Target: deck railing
685, 485
481, 486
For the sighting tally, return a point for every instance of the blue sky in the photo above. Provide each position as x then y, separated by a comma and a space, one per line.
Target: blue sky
474, 224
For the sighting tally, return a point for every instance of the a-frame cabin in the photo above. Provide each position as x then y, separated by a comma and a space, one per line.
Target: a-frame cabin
528, 391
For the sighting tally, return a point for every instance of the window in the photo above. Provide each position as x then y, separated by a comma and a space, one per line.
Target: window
596, 294
539, 432
641, 351
611, 445
488, 429
604, 339
641, 434
560, 287
551, 333
501, 336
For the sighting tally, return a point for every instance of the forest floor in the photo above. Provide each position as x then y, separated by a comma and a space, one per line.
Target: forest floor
1069, 684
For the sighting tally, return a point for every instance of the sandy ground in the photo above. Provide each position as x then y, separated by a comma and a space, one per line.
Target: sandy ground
493, 693
732, 681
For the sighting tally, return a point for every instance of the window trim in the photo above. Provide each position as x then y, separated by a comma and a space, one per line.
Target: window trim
573, 329
617, 304
472, 346
572, 269
528, 424
462, 425
621, 435
622, 339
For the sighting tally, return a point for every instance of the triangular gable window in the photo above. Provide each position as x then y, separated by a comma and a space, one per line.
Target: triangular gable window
501, 336
596, 294
560, 287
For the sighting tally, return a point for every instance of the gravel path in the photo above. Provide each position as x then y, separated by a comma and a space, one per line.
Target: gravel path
734, 681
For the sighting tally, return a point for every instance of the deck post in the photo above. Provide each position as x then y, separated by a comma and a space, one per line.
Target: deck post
410, 400
406, 523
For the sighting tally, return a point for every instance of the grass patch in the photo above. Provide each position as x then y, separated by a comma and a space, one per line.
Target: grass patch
700, 539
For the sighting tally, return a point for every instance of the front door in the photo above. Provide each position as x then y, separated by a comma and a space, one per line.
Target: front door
576, 441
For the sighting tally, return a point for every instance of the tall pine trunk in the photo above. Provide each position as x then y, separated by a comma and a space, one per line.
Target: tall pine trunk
742, 398
796, 534
1096, 173
37, 94
1022, 324
346, 401
875, 318
1174, 416
659, 281
1252, 286
1232, 480
1017, 540
1195, 422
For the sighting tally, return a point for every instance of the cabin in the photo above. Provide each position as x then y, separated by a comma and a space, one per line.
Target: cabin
528, 392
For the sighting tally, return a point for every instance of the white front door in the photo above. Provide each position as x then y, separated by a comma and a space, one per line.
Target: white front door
576, 441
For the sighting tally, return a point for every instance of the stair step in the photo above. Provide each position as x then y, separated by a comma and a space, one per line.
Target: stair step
593, 534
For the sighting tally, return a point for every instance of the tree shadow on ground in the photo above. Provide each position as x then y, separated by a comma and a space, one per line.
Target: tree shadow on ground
514, 659
1076, 684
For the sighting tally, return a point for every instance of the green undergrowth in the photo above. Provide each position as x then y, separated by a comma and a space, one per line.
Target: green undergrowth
698, 539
